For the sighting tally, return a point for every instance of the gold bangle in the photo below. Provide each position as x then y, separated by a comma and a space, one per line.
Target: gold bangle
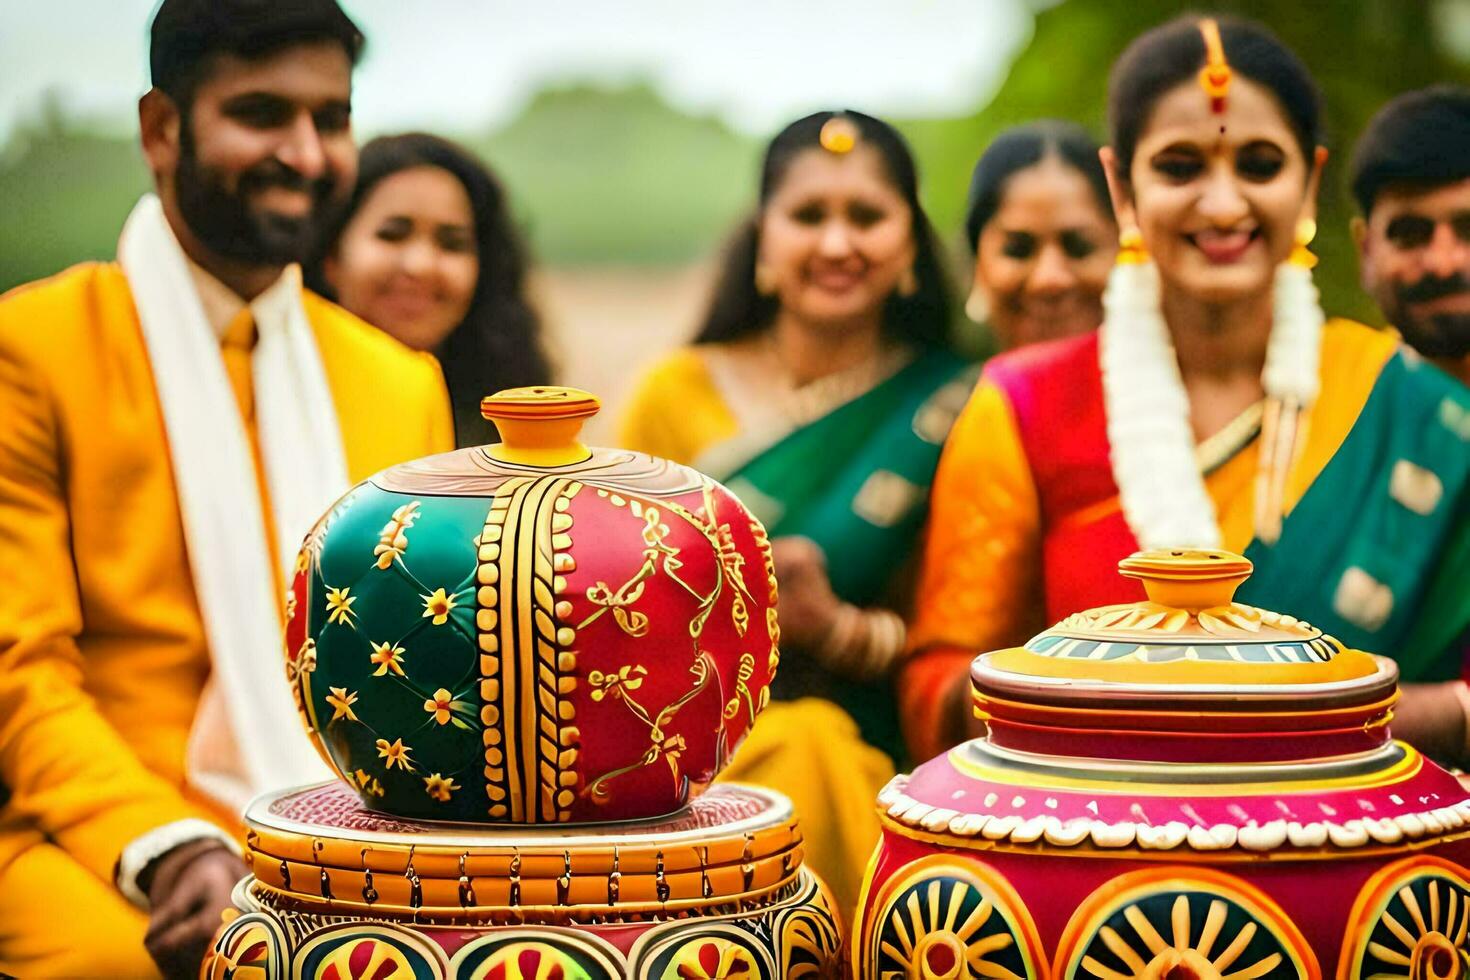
836, 649
863, 643
886, 634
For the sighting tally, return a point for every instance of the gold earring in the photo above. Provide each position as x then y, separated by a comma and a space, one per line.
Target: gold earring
1130, 247
765, 280
908, 283
1306, 230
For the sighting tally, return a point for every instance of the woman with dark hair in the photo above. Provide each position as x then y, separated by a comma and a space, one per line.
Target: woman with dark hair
820, 389
1041, 228
1215, 407
425, 251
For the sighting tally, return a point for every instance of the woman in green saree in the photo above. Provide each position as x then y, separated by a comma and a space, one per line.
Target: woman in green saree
820, 390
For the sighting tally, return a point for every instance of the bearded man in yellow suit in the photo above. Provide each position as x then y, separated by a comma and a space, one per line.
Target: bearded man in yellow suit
170, 426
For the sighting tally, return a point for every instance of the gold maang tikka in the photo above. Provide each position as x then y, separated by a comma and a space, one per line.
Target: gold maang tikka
839, 135
1215, 76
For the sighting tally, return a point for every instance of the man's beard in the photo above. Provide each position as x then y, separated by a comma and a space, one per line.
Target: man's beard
224, 222
1436, 335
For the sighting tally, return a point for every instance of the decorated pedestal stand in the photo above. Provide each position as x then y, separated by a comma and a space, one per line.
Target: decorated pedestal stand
526, 663
1180, 788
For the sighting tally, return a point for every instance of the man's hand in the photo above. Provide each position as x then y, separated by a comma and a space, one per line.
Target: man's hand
188, 888
807, 606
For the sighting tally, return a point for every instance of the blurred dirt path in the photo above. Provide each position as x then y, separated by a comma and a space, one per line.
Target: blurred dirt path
607, 323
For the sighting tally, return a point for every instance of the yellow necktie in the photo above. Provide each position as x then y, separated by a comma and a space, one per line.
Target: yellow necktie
236, 347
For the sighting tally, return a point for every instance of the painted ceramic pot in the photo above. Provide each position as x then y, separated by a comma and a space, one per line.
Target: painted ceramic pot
459, 627
1183, 787
340, 893
527, 662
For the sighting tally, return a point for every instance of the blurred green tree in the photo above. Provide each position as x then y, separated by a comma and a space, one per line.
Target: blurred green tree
618, 176
596, 175
67, 188
602, 175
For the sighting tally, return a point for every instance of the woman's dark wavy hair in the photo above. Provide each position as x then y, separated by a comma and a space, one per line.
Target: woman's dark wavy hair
1172, 53
498, 344
738, 309
1024, 146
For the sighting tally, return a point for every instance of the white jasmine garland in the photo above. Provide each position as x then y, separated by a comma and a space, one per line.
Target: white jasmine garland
1291, 379
1160, 485
1294, 349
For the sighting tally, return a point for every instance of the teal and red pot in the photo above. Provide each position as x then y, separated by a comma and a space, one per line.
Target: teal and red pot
533, 632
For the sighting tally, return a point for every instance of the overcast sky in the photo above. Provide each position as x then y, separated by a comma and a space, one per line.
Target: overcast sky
468, 64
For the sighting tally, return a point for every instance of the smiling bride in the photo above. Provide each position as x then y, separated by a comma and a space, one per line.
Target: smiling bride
1215, 407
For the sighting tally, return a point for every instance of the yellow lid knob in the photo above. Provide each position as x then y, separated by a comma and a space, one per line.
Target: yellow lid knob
539, 426
1188, 578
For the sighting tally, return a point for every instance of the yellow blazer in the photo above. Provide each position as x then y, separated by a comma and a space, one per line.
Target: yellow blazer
102, 650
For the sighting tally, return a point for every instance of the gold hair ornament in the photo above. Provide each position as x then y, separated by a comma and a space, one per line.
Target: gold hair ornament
1215, 76
839, 135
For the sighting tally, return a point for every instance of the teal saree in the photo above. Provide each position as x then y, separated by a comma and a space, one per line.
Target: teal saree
856, 482
1377, 551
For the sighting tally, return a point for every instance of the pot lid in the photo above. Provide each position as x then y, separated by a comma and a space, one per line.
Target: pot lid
540, 430
1189, 635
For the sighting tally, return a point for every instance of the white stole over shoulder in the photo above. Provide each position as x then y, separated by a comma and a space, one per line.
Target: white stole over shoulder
247, 737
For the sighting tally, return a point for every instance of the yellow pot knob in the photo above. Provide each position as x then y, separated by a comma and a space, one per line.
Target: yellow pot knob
1188, 578
540, 426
